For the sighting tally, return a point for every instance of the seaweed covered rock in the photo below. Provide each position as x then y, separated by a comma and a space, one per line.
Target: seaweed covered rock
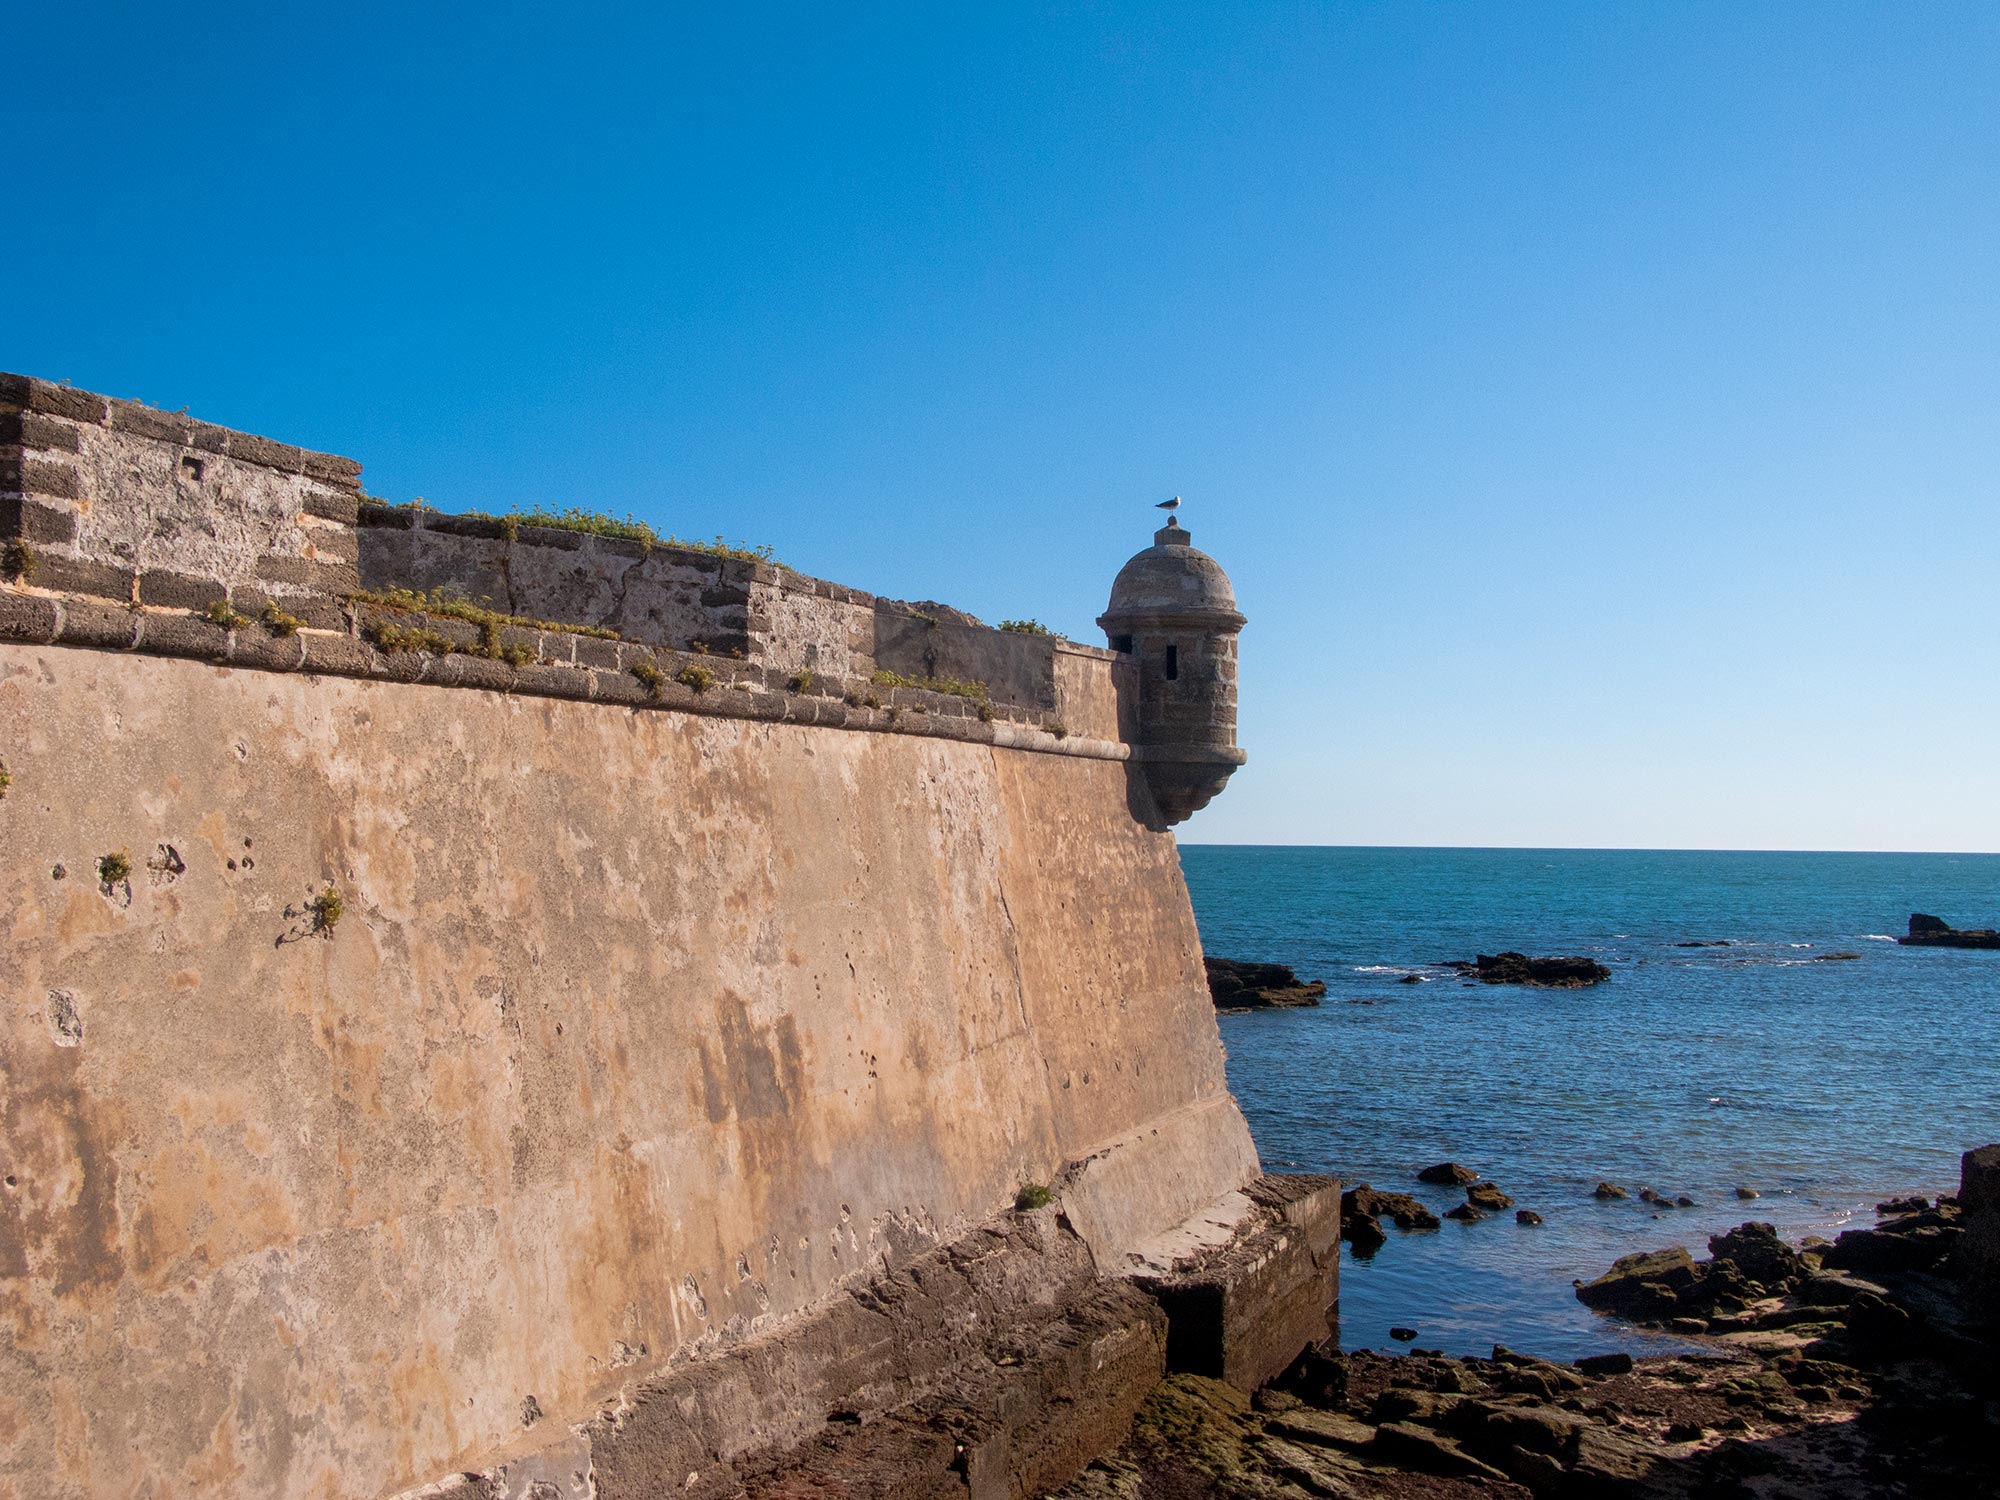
1234, 985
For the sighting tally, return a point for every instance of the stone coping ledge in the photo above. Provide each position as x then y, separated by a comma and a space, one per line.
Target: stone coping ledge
567, 665
25, 394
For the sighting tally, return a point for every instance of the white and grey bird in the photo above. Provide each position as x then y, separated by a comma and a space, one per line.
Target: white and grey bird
1173, 504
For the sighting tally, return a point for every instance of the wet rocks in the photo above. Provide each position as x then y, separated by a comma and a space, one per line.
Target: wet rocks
1641, 1283
1448, 1174
1757, 1254
1889, 1248
1488, 1196
1748, 1192
1465, 1213
1362, 1210
1233, 985
1933, 932
1562, 972
1608, 1190
1526, 1216
1842, 1386
1618, 1362
1399, 1208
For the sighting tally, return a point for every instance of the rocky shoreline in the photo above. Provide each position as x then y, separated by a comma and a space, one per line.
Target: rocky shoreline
1865, 1367
1237, 986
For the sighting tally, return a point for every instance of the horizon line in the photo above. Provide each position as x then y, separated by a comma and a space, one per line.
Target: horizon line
1589, 849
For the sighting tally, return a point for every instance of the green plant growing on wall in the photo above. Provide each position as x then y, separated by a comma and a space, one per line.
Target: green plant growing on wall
390, 638
650, 677
220, 613
448, 605
113, 868
597, 523
954, 686
1059, 729
279, 623
326, 909
19, 561
6, 780
1028, 627
986, 713
1033, 1195
698, 678
801, 680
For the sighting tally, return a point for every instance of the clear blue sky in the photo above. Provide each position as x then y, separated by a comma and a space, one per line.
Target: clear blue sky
1597, 405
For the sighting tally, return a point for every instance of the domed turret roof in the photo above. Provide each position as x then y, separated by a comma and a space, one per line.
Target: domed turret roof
1171, 580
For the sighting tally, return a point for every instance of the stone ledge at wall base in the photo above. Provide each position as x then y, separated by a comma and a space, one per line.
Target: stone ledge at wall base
994, 1368
1250, 1285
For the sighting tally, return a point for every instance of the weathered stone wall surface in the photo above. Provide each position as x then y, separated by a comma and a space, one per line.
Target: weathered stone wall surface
1096, 692
121, 501
642, 1030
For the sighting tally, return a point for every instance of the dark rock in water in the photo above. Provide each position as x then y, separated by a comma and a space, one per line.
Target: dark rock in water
1684, 1201
1405, 1211
1619, 1363
1448, 1174
1411, 979
1758, 1254
1465, 1213
1402, 1335
1748, 1192
1709, 943
1834, 958
1629, 1286
1364, 1231
1487, 1195
1647, 1195
1903, 1206
1934, 932
1246, 986
1607, 1190
1564, 972
1526, 1216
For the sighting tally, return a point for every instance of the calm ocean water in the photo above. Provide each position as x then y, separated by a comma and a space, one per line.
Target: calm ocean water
1825, 1083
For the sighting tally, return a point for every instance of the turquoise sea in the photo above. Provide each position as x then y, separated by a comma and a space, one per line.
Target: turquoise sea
1811, 1058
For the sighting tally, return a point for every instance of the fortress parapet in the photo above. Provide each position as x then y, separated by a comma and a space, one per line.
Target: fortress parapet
1174, 614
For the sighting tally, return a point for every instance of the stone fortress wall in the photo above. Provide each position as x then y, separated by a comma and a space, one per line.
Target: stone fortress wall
654, 1103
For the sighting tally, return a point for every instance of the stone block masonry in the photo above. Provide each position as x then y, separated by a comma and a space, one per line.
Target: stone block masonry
119, 501
651, 1102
